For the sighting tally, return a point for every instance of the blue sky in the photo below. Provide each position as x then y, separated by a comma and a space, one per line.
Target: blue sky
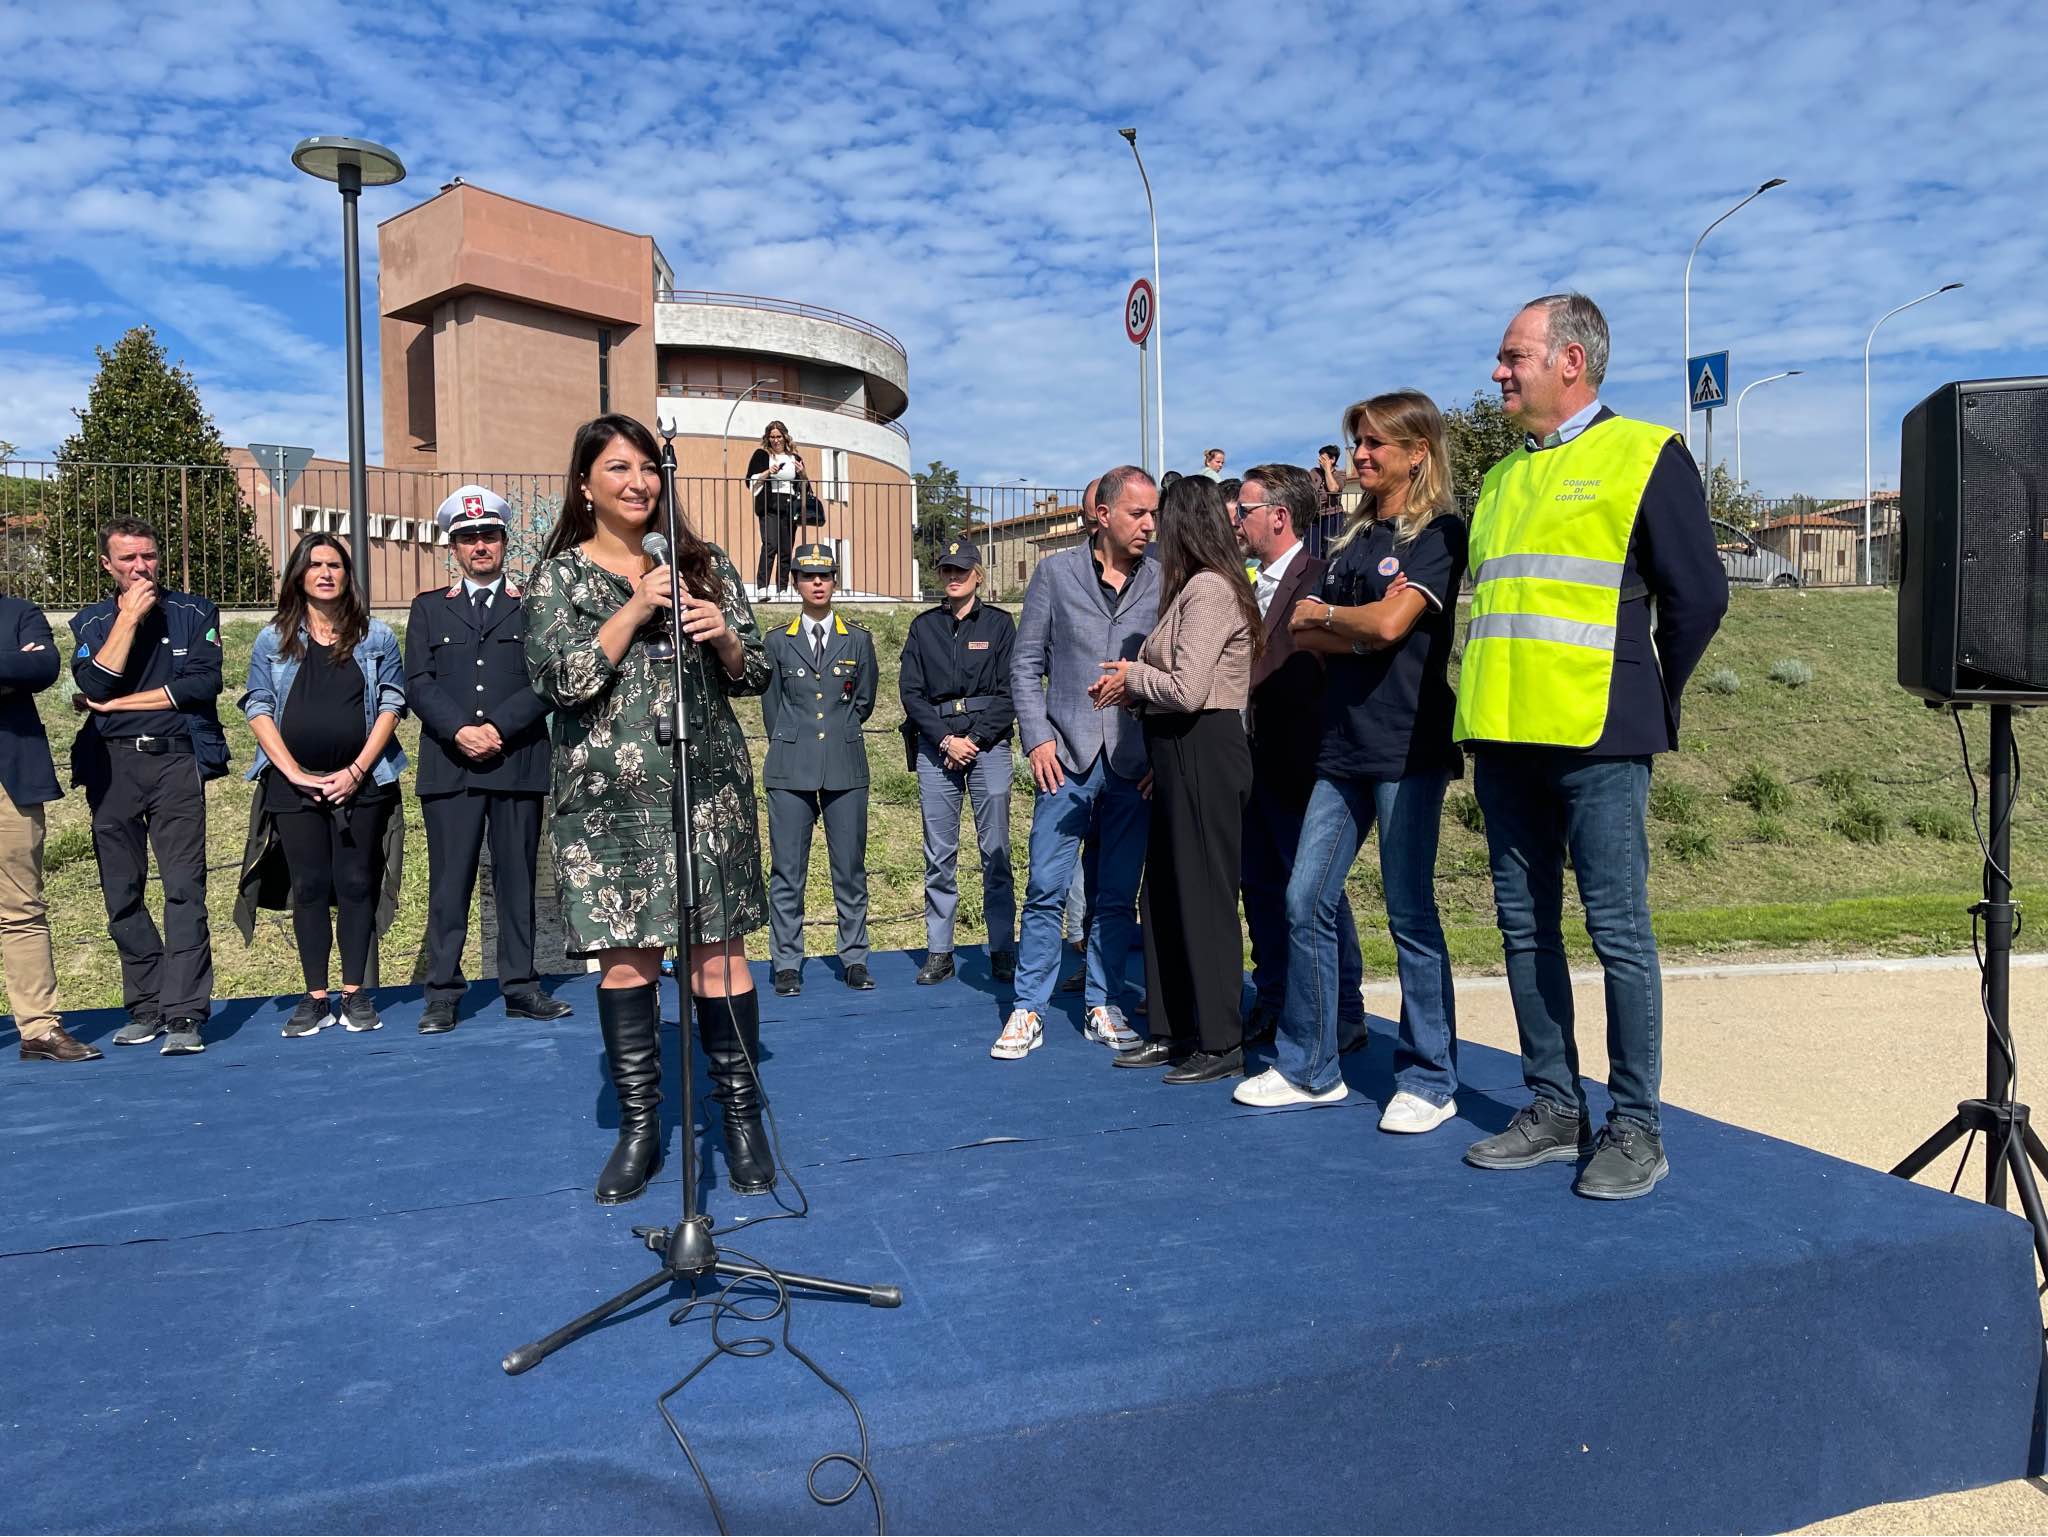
1352, 198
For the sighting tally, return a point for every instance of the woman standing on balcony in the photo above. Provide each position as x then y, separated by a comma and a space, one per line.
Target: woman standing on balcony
775, 476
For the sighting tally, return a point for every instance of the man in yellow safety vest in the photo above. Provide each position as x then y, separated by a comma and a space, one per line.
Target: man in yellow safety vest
1596, 587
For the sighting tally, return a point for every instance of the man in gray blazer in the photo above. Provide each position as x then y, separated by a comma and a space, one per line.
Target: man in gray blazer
1085, 606
821, 693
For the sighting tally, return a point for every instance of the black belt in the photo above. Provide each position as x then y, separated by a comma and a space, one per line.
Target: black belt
156, 745
962, 706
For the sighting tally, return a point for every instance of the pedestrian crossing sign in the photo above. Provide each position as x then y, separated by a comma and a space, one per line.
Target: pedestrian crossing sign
1706, 380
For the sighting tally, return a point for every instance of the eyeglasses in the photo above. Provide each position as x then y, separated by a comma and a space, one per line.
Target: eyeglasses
1245, 507
478, 535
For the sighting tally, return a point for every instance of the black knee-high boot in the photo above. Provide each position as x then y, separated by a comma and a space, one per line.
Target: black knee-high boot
750, 1166
630, 1018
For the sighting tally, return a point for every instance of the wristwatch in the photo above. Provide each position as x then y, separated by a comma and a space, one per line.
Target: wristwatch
1329, 613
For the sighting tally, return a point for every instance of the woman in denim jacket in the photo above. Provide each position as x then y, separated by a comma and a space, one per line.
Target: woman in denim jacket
326, 690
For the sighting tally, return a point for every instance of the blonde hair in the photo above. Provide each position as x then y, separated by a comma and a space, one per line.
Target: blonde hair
1409, 418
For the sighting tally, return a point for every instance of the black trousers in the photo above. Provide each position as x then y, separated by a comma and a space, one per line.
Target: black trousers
778, 536
333, 853
156, 802
1194, 957
456, 825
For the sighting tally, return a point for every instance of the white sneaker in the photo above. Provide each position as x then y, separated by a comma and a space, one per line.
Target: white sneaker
1106, 1026
1269, 1089
1407, 1112
1021, 1036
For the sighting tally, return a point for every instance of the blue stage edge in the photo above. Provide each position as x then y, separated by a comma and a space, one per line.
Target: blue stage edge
268, 1289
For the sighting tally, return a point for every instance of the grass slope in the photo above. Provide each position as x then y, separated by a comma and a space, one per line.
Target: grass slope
1851, 764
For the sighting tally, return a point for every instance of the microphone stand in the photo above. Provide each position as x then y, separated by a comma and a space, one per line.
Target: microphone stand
689, 1252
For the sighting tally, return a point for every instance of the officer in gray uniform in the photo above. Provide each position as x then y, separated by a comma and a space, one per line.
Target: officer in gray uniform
820, 693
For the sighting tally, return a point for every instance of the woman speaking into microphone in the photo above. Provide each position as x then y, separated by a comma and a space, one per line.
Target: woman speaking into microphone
594, 606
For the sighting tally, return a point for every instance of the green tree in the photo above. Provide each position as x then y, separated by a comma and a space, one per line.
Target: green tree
944, 512
146, 447
1479, 436
1732, 501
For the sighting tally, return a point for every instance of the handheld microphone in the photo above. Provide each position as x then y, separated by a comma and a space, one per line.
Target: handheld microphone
661, 645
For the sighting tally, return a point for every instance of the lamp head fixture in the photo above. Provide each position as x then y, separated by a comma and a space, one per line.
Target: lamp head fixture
1129, 133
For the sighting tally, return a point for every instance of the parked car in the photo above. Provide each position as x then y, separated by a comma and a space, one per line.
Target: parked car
1747, 561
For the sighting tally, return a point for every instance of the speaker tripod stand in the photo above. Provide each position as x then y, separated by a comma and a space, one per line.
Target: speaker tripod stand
2011, 1147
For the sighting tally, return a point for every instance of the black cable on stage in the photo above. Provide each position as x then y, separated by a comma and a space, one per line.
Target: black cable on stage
728, 1300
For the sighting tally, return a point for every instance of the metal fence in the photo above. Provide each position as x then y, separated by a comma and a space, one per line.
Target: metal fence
221, 528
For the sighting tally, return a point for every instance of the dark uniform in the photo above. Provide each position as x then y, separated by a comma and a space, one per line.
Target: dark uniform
465, 665
955, 681
820, 694
144, 773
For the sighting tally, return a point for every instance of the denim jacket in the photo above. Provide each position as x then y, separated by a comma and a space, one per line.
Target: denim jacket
270, 685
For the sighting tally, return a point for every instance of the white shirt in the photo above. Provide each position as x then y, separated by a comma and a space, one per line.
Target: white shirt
1270, 574
815, 632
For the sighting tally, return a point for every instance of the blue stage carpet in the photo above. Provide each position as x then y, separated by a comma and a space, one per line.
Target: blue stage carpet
268, 1289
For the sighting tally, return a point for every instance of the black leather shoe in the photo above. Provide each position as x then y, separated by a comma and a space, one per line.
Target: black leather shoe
1540, 1133
1155, 1051
629, 1018
438, 1018
788, 984
730, 1029
1627, 1162
1208, 1067
1003, 965
858, 979
536, 1005
936, 968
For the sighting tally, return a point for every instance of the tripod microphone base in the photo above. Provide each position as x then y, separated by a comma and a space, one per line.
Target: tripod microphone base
2011, 1148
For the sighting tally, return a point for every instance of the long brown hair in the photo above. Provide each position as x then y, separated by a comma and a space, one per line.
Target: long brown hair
1195, 536
578, 521
351, 617
788, 442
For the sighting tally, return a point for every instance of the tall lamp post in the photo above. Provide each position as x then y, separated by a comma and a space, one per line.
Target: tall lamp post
1685, 414
352, 164
1790, 373
1945, 288
1158, 305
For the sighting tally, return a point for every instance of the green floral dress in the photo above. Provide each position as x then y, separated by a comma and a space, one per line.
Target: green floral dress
615, 863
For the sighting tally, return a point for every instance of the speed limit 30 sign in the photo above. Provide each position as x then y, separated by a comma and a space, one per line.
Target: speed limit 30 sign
1139, 308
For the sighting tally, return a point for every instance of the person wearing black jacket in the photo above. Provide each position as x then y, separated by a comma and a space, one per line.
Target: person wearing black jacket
957, 718
147, 665
484, 759
29, 663
778, 485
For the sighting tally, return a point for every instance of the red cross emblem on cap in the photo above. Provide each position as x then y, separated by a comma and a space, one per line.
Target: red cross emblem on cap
473, 506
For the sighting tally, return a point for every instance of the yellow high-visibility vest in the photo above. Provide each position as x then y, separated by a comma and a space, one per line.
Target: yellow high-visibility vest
1549, 543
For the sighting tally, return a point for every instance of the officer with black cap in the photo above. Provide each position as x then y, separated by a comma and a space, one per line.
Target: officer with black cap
820, 694
483, 760
957, 720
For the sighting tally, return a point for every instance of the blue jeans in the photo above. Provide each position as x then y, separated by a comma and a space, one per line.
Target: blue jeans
1105, 802
1272, 834
1340, 813
1541, 803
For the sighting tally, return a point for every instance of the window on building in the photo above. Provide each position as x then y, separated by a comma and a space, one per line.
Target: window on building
1810, 543
604, 370
1020, 570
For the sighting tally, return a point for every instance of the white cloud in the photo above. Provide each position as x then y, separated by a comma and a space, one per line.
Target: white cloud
1350, 200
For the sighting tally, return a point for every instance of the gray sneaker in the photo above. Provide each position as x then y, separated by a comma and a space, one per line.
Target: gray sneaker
1540, 1133
139, 1032
1628, 1162
311, 1016
359, 1011
183, 1038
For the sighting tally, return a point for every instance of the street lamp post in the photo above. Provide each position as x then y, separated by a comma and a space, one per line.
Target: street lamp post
1790, 373
352, 164
1158, 336
1685, 414
1946, 287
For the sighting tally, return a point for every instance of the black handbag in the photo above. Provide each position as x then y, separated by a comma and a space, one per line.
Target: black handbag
814, 510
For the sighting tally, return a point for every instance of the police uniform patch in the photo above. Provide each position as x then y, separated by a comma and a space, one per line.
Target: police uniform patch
1389, 565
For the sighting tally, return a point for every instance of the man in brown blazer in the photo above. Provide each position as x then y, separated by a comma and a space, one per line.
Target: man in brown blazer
1275, 506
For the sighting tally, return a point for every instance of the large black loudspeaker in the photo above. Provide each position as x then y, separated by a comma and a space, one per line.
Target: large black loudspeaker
1973, 588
